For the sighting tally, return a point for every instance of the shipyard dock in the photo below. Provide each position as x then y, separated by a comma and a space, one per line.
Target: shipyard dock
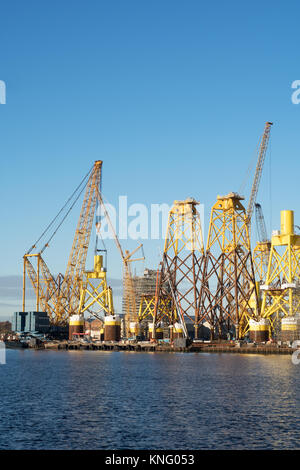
234, 347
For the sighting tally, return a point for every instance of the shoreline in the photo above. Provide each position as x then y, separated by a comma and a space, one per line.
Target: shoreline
214, 347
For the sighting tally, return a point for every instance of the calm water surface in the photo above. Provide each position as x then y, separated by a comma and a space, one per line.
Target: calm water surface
118, 400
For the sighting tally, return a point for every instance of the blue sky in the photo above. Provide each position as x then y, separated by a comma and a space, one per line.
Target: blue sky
171, 95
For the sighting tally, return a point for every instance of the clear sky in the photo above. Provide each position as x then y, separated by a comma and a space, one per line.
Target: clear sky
171, 95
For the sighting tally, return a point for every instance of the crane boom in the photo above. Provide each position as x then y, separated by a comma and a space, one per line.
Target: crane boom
259, 167
60, 296
70, 289
131, 313
77, 258
260, 224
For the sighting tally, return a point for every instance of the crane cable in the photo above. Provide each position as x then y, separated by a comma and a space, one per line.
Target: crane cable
270, 183
58, 214
64, 218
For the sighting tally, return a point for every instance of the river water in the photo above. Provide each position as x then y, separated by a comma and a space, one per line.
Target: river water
128, 400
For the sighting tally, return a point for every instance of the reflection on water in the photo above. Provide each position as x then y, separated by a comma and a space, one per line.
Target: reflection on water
106, 400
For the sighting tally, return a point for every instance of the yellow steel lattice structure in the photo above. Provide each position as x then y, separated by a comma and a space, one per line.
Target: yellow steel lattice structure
281, 291
77, 258
147, 308
60, 296
182, 264
131, 312
228, 294
95, 292
261, 256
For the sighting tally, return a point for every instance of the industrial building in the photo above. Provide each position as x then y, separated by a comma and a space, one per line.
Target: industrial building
31, 322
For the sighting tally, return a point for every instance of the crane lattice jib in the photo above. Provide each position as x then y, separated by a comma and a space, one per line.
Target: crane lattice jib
259, 167
38, 287
129, 291
77, 258
44, 287
260, 223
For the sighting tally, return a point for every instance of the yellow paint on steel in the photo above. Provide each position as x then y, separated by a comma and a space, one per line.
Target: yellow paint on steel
281, 290
289, 327
76, 322
287, 222
99, 293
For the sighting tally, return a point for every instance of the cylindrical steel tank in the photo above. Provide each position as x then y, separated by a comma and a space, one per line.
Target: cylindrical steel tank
112, 328
177, 331
76, 325
159, 332
287, 222
259, 331
150, 330
98, 263
134, 328
290, 328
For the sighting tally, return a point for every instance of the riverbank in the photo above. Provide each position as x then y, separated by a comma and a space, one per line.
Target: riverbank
146, 346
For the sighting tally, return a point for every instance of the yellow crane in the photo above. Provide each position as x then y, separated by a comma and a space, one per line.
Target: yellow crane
60, 296
261, 252
258, 171
281, 296
129, 291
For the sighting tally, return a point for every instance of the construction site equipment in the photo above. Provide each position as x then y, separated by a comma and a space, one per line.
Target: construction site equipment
281, 291
60, 296
261, 252
262, 249
260, 224
99, 294
149, 301
258, 171
228, 295
181, 268
129, 293
147, 307
143, 285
